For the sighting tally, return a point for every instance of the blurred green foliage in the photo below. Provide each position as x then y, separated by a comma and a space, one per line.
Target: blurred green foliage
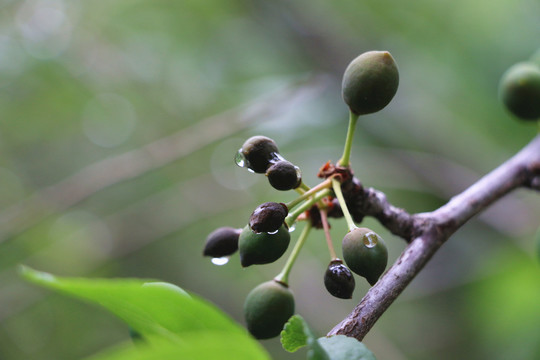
82, 83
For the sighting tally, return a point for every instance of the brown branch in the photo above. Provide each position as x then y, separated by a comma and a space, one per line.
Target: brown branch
430, 230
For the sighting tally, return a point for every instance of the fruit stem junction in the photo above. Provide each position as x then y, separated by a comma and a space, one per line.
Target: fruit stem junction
291, 218
326, 228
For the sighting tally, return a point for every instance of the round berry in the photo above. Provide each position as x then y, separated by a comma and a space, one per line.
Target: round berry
365, 253
370, 82
258, 152
339, 280
222, 242
262, 248
283, 175
268, 217
519, 90
267, 308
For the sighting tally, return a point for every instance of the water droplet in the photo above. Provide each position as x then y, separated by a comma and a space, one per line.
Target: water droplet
273, 232
240, 159
370, 240
220, 261
298, 173
292, 227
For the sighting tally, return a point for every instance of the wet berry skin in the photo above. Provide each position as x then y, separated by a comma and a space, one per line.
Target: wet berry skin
268, 217
262, 248
338, 280
259, 151
365, 253
283, 175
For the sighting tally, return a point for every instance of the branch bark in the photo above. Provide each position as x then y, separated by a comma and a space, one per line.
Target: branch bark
427, 232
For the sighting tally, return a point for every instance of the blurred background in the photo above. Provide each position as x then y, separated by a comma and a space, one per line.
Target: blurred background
119, 121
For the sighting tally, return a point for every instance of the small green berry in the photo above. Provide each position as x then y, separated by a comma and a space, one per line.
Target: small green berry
283, 175
258, 152
268, 217
222, 242
267, 308
519, 90
262, 248
338, 280
370, 82
365, 253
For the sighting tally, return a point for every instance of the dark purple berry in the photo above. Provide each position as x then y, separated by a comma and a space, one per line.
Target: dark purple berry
283, 175
268, 217
338, 280
222, 242
258, 152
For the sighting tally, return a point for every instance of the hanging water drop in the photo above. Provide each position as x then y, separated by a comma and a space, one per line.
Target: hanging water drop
240, 159
219, 261
292, 227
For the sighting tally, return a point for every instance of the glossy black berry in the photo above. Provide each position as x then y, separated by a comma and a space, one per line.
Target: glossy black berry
222, 242
258, 152
267, 308
268, 217
370, 82
262, 248
519, 90
365, 253
283, 175
338, 280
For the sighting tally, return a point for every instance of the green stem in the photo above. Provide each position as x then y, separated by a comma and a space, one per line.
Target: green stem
283, 276
337, 190
326, 228
344, 161
323, 185
289, 220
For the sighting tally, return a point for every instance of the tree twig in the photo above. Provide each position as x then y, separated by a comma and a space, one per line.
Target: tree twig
430, 230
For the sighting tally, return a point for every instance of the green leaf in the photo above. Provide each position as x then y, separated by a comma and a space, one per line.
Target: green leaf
294, 336
341, 347
195, 346
297, 334
148, 307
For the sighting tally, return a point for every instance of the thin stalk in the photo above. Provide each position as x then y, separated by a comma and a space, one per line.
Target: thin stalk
283, 276
326, 228
337, 190
289, 220
323, 185
344, 161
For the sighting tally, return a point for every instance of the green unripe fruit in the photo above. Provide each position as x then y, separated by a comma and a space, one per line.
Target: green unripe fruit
365, 253
267, 309
262, 248
370, 82
519, 90
258, 152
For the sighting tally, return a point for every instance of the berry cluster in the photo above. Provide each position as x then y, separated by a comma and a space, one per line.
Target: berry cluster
369, 84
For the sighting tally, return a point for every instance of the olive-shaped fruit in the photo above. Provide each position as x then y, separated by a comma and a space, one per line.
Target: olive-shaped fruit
370, 82
283, 175
222, 242
519, 90
262, 248
258, 152
268, 217
267, 308
365, 253
338, 280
